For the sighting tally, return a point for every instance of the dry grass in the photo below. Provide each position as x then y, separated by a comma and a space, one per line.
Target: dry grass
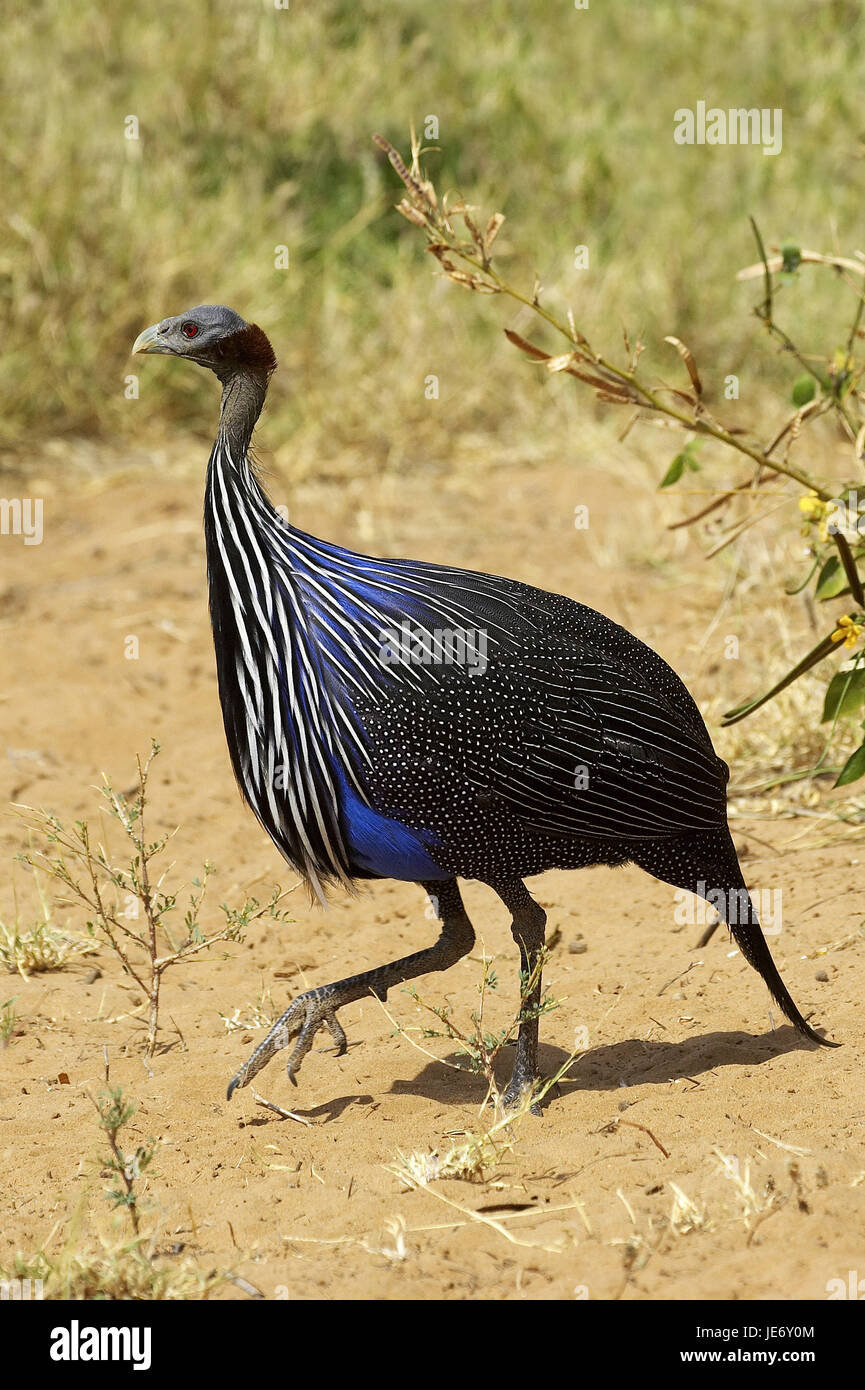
106, 234
261, 1014
32, 947
104, 1270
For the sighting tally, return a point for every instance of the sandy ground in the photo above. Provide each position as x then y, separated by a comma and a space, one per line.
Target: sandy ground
620, 1189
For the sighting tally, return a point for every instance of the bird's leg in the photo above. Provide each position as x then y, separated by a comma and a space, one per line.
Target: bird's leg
528, 929
309, 1011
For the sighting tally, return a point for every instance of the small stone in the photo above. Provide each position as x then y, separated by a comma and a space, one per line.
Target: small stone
821, 975
577, 948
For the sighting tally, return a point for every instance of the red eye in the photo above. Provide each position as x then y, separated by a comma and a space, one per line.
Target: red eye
189, 330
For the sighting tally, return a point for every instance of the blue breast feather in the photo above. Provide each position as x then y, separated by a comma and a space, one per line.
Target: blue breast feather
381, 845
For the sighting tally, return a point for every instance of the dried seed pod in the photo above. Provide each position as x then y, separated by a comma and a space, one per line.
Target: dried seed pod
412, 213
525, 346
688, 358
475, 234
470, 281
424, 192
492, 230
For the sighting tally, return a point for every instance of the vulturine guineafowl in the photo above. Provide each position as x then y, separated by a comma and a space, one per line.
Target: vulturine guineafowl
397, 719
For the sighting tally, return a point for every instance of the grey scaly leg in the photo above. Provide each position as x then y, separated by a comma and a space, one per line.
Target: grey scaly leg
319, 1006
528, 930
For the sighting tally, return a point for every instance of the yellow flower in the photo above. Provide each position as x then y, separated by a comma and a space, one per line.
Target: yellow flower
848, 631
814, 512
811, 506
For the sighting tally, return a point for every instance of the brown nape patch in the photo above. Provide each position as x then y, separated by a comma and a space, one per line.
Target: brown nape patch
249, 347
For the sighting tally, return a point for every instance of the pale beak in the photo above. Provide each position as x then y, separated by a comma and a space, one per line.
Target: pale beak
148, 341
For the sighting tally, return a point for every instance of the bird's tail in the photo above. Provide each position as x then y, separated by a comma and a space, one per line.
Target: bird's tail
749, 937
706, 863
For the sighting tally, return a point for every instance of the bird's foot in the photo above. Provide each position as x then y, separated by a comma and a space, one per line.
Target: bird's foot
302, 1019
517, 1096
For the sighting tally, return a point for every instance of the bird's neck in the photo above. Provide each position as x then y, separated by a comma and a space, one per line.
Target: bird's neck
243, 393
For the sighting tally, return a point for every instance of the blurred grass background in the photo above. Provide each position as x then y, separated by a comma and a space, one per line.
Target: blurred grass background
255, 128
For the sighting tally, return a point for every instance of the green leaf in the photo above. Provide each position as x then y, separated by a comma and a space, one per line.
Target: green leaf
845, 694
674, 472
832, 580
685, 459
853, 769
804, 390
824, 648
791, 255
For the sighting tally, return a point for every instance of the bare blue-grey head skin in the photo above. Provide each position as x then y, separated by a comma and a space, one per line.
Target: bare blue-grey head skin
193, 334
238, 352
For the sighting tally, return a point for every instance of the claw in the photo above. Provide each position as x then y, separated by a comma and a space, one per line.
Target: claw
315, 1016
314, 1011
337, 1032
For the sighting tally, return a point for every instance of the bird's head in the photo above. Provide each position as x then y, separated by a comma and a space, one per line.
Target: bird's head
215, 337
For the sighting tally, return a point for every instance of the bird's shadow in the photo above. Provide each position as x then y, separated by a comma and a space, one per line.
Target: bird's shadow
611, 1067
324, 1113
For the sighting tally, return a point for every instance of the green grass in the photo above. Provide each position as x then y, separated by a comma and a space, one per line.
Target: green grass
255, 129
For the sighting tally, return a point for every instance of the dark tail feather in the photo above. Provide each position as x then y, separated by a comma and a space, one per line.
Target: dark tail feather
708, 861
752, 943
